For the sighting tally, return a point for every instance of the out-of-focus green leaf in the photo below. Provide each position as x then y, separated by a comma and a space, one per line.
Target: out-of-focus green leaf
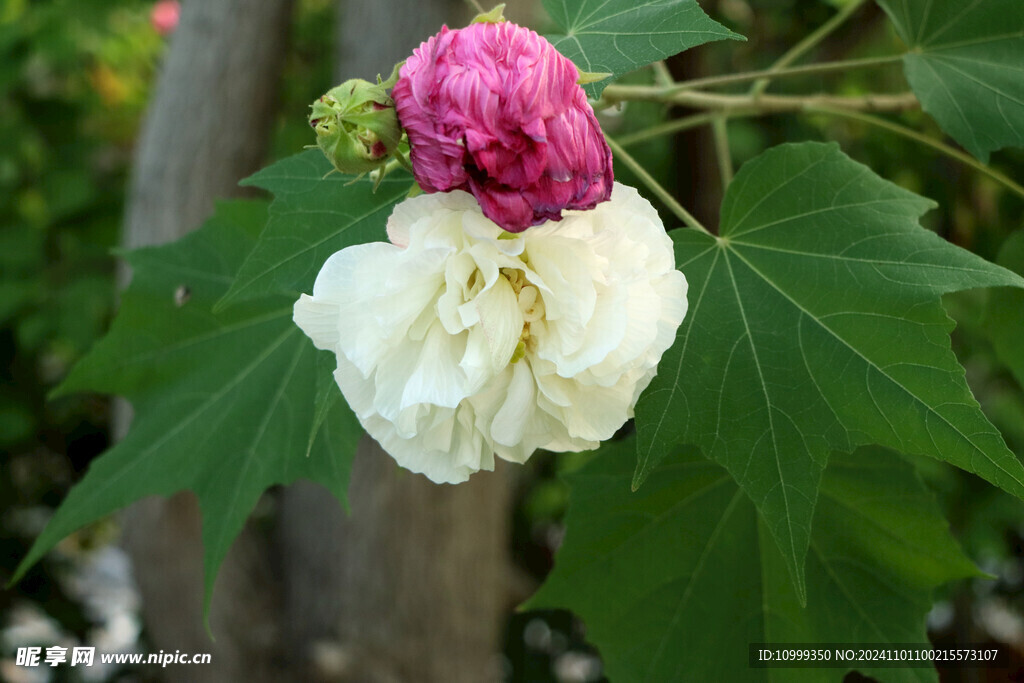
1004, 314
966, 65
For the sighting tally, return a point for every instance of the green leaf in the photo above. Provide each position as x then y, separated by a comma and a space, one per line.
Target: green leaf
966, 65
313, 215
815, 324
224, 404
619, 36
675, 581
327, 394
1004, 313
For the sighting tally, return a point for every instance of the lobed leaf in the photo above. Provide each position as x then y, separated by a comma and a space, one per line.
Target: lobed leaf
314, 214
224, 403
815, 325
619, 36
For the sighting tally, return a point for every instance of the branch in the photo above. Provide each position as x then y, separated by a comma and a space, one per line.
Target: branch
686, 123
912, 134
760, 103
665, 91
806, 45
725, 170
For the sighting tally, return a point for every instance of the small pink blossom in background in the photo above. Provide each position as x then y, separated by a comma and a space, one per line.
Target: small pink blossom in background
164, 16
495, 109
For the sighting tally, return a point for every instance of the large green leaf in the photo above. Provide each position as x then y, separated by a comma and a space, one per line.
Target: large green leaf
966, 65
1004, 314
619, 36
224, 404
676, 580
815, 324
313, 215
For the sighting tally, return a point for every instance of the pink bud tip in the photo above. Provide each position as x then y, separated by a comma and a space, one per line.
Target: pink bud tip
495, 109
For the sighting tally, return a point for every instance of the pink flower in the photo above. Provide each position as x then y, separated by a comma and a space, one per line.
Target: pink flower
164, 16
494, 109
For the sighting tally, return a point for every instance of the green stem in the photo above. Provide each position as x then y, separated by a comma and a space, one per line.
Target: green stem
721, 133
806, 45
709, 118
655, 187
923, 139
698, 99
662, 76
618, 93
678, 125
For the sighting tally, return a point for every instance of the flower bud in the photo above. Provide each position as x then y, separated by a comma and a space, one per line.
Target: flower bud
494, 109
356, 126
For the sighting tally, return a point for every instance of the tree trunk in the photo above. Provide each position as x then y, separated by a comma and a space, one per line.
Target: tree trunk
374, 36
413, 585
209, 122
207, 127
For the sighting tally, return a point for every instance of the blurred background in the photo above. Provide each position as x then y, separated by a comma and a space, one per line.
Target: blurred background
120, 123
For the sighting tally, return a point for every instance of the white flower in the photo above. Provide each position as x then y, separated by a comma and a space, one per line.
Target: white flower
459, 341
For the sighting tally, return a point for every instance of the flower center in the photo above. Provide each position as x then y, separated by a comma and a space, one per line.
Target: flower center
530, 304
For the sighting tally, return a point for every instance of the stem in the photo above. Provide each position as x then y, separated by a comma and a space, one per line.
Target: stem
655, 187
685, 123
475, 4
704, 119
617, 93
679, 125
923, 139
770, 103
718, 125
806, 45
662, 76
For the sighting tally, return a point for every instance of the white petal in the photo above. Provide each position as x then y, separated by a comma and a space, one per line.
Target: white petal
357, 389
319, 320
520, 403
563, 266
501, 320
390, 378
476, 361
459, 270
437, 378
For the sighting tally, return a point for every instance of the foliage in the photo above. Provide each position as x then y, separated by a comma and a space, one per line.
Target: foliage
620, 36
687, 559
860, 357
238, 383
309, 223
74, 78
965, 66
1005, 311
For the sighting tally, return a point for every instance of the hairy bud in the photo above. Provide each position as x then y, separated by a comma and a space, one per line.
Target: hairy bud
356, 126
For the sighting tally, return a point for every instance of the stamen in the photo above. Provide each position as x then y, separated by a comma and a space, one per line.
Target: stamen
532, 307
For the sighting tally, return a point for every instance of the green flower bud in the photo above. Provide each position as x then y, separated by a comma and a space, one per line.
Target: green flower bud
356, 126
